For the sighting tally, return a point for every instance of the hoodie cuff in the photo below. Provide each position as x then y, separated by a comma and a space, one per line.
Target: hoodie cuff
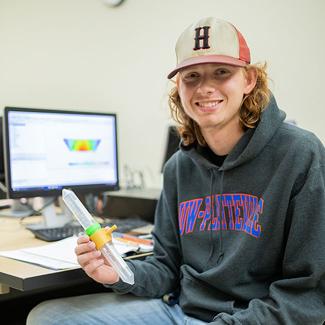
120, 286
226, 319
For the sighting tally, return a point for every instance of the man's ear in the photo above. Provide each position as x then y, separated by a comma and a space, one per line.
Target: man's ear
251, 79
177, 81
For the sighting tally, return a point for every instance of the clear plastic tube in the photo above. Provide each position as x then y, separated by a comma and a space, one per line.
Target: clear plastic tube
117, 262
107, 249
78, 209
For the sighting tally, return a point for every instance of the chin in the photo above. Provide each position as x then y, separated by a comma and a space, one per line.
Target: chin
208, 122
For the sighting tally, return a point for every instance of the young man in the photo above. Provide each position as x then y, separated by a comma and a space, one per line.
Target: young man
239, 227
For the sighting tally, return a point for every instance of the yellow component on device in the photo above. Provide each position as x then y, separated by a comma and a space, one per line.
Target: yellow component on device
102, 236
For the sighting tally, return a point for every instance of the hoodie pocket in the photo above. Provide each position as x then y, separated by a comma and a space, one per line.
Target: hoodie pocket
197, 296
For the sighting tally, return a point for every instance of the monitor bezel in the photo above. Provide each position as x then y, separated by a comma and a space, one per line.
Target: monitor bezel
89, 188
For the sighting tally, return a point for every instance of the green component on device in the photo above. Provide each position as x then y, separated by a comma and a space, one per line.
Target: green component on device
92, 229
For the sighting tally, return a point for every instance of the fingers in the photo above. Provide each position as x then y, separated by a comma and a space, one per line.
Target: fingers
84, 244
93, 263
86, 247
91, 267
83, 239
100, 272
88, 258
86, 251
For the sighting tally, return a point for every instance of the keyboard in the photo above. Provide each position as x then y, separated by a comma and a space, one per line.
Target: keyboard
54, 234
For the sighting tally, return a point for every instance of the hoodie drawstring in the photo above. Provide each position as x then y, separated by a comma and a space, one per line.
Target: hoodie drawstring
212, 215
221, 252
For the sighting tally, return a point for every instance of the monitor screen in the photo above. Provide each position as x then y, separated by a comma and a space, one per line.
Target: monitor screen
48, 150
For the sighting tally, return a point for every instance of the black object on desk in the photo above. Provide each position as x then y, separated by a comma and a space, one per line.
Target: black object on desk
53, 234
125, 202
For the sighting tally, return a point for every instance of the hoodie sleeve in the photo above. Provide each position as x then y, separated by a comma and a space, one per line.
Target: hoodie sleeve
158, 274
299, 297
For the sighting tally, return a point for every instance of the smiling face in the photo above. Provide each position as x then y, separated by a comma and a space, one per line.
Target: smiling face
212, 94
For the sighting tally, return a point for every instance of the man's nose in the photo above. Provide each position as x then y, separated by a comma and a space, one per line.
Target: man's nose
206, 86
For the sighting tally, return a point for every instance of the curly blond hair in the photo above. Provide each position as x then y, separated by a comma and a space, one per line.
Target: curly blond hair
252, 106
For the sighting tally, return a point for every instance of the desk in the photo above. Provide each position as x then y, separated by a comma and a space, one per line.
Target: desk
23, 285
27, 277
24, 276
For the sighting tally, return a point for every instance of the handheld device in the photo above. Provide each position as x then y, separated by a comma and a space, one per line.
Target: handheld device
100, 236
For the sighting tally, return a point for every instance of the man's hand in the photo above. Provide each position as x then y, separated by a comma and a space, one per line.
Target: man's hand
93, 263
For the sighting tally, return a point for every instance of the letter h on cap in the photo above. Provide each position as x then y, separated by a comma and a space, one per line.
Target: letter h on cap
198, 37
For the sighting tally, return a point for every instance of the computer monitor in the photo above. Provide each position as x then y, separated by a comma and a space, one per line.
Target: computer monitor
172, 144
47, 150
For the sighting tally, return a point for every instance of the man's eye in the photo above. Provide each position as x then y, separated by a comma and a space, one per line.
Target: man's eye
222, 72
191, 76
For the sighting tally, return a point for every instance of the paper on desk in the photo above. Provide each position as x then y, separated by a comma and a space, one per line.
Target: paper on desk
58, 255
43, 261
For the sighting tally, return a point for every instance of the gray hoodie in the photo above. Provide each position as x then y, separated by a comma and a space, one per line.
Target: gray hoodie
243, 243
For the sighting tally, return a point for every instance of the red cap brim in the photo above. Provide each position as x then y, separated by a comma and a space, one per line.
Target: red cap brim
203, 59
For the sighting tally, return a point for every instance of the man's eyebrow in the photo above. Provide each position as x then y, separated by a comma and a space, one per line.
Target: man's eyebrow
188, 71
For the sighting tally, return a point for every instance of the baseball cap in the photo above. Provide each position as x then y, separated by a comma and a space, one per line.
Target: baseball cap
210, 40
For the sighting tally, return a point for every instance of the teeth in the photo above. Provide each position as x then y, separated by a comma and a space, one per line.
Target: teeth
209, 104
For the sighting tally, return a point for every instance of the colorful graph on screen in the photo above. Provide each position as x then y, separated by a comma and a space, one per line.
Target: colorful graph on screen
82, 144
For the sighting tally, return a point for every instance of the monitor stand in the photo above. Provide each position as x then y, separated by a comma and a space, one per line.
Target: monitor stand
50, 216
14, 207
17, 210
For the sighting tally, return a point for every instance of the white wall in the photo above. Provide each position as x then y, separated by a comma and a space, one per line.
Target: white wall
84, 55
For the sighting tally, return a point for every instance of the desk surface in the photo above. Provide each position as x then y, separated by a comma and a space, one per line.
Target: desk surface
24, 276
